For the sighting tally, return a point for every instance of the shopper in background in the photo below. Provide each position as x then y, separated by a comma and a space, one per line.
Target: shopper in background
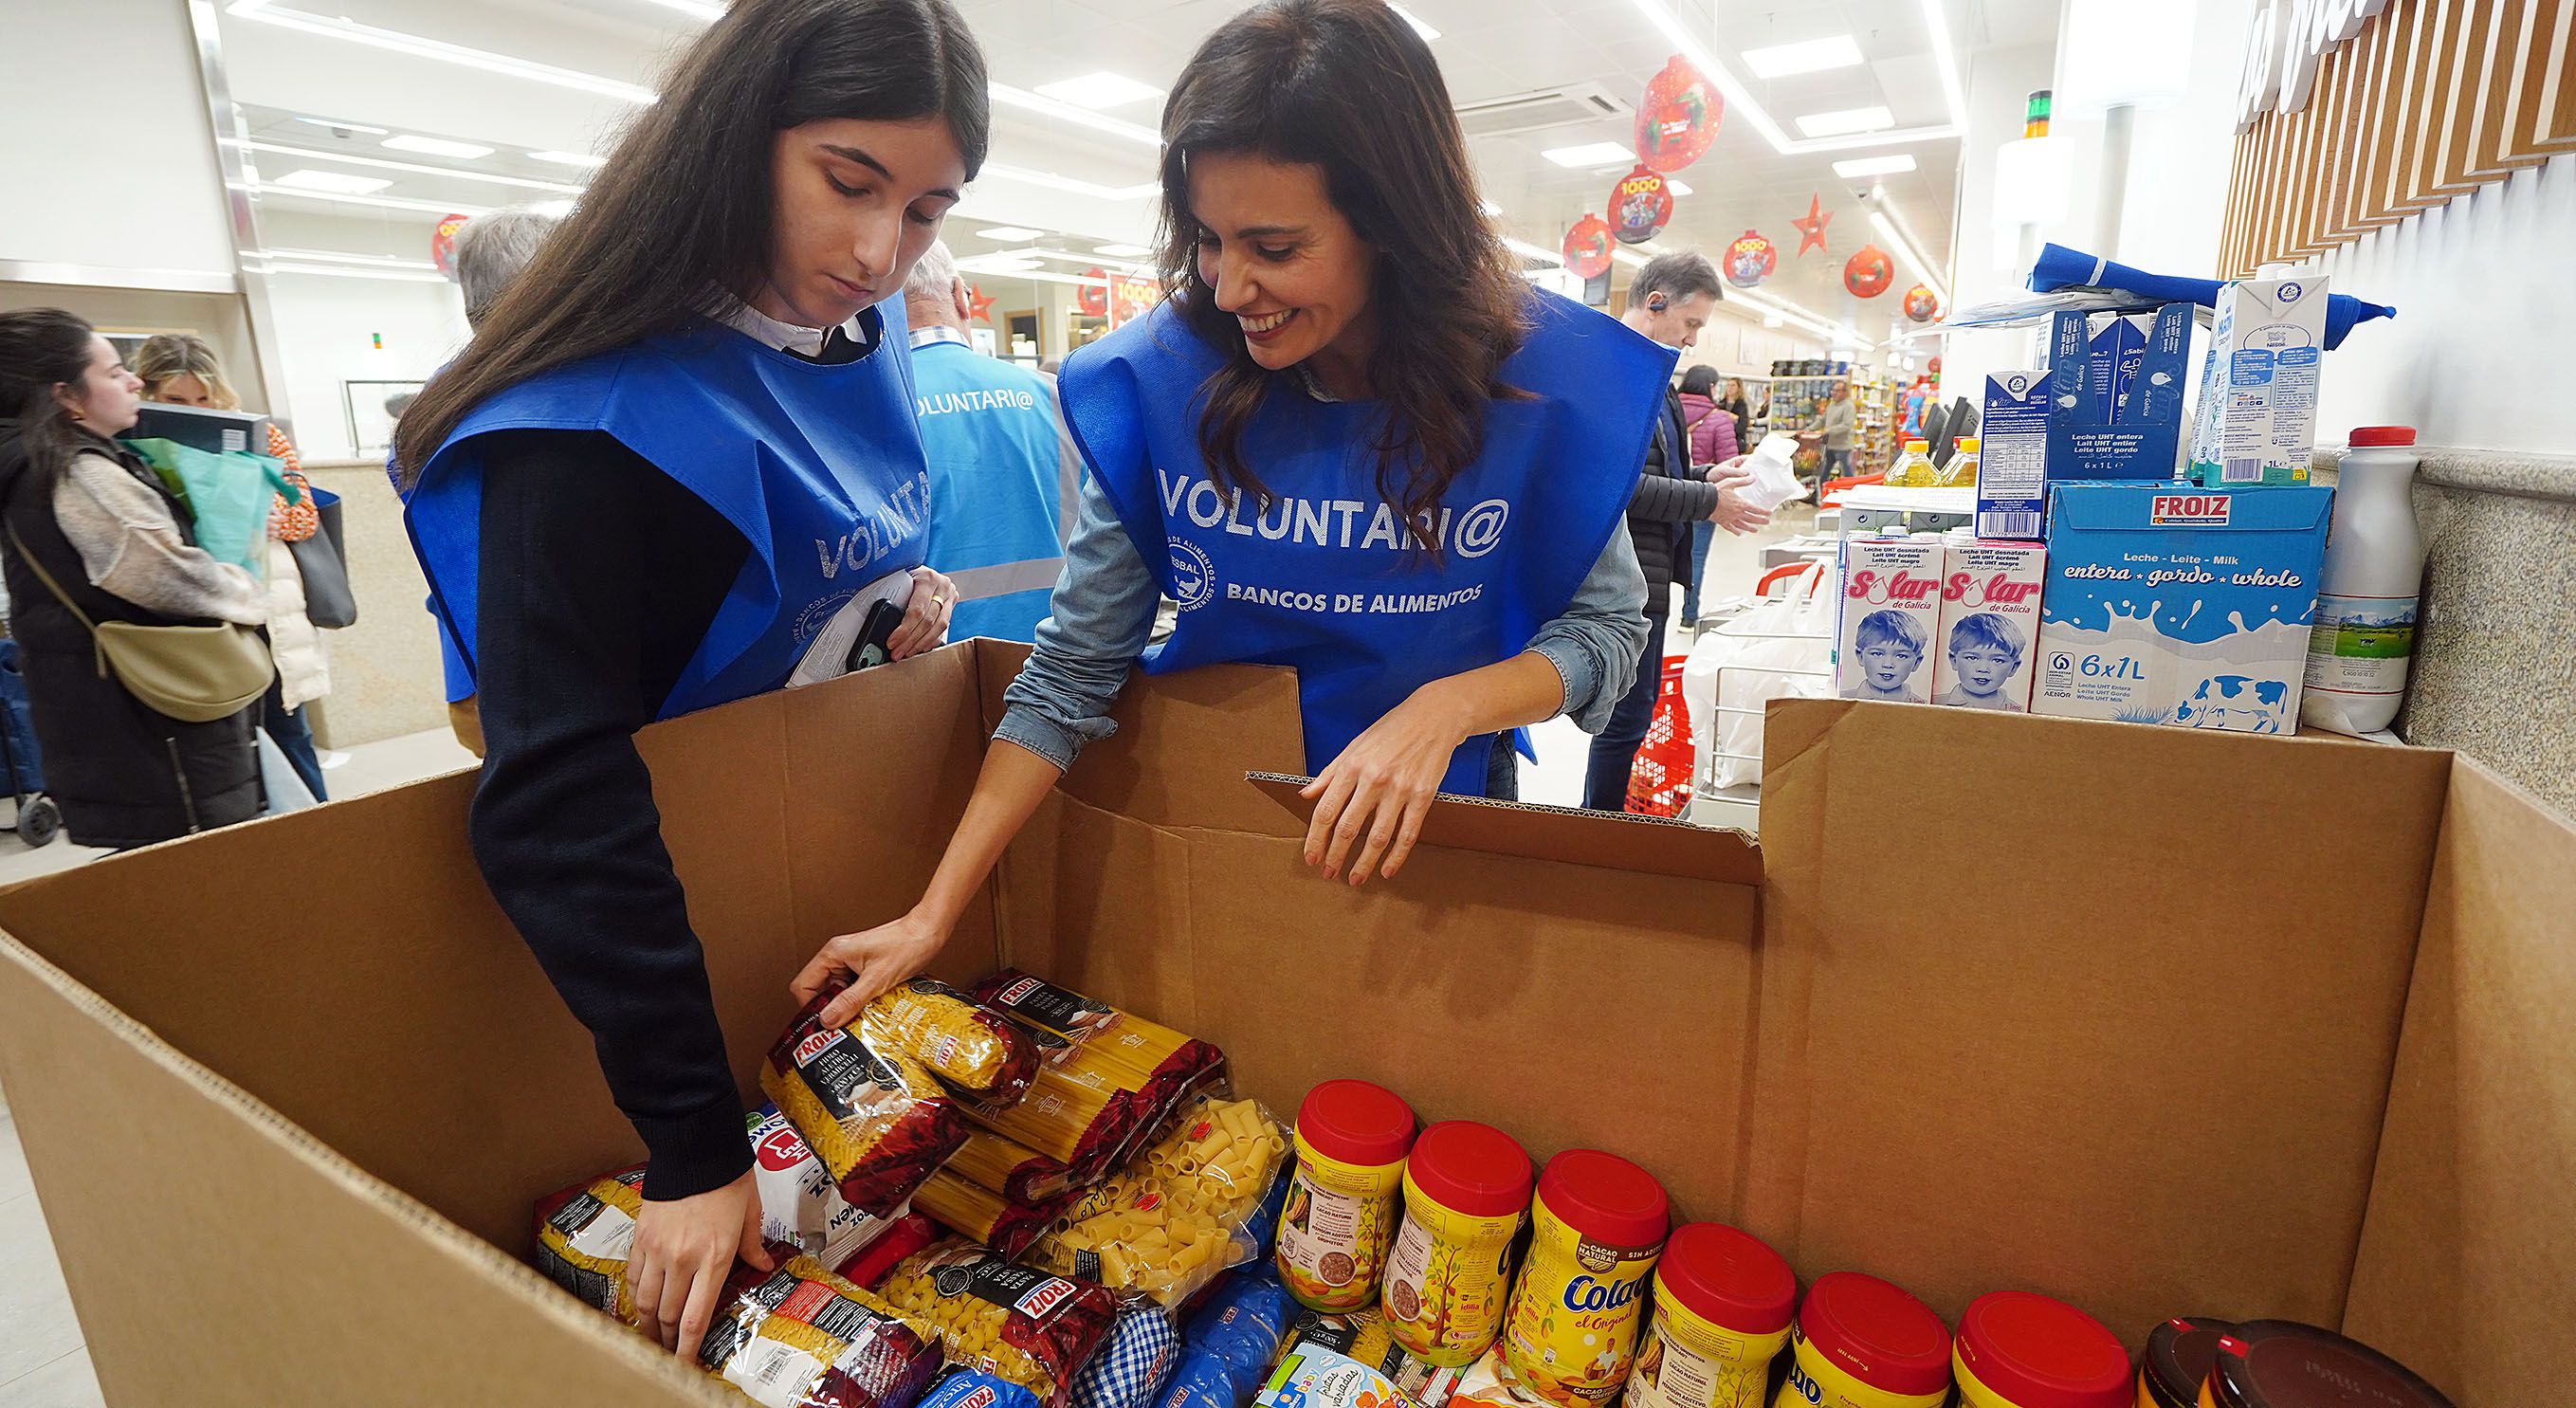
1672, 299
1838, 432
617, 492
92, 532
1734, 404
491, 251
1712, 441
1352, 441
1004, 473
180, 370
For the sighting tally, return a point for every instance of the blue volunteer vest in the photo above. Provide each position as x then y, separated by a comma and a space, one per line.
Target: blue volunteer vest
818, 467
1324, 580
996, 496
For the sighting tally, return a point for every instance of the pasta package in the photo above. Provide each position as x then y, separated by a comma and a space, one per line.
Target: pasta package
973, 1388
967, 1207
800, 1203
1017, 1172
1026, 1326
584, 1234
869, 1109
1106, 1077
981, 1055
1181, 1212
801, 1337
1232, 1340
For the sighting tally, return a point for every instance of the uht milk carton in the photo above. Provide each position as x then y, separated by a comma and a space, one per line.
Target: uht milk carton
1891, 605
1985, 653
2177, 604
2258, 388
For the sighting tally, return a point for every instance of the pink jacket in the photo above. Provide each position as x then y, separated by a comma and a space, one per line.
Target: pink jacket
1712, 431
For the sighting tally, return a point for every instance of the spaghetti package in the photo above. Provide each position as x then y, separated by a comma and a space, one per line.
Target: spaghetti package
1033, 1329
1017, 1172
1182, 1210
800, 1204
984, 1057
1106, 1077
966, 1207
584, 1234
869, 1108
801, 1337
1231, 1341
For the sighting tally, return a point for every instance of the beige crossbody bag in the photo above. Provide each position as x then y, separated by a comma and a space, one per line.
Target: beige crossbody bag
195, 674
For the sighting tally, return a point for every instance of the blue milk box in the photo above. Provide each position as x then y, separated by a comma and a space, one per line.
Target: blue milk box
2178, 604
2115, 396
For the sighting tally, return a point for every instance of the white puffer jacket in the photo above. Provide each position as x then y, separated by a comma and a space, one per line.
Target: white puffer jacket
303, 664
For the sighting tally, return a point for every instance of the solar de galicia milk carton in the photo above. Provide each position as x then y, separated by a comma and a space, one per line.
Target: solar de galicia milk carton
1984, 654
1890, 607
2178, 604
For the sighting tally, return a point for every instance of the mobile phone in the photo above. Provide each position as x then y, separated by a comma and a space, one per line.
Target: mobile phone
875, 632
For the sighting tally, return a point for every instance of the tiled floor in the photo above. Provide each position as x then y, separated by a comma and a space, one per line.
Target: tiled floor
42, 1361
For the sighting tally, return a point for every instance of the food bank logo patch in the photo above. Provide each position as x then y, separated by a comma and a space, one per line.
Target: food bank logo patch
1193, 576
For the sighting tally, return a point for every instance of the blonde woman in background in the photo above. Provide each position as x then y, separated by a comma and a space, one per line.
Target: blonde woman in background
181, 370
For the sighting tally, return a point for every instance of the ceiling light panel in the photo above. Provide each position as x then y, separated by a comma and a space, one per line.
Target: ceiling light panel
1845, 122
1805, 56
1592, 154
438, 146
1093, 92
1009, 234
335, 182
1874, 166
380, 164
1122, 251
584, 160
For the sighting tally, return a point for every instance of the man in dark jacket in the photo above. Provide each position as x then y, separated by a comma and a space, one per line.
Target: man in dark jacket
1672, 299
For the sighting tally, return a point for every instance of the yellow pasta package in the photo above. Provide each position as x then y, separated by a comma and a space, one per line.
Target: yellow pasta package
584, 1234
964, 1206
1013, 1170
1026, 1326
1176, 1216
1106, 1077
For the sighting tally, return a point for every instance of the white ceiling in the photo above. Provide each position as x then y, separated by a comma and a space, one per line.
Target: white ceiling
1486, 48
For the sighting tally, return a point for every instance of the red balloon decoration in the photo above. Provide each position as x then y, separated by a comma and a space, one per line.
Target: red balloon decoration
442, 244
1678, 120
1868, 273
1750, 260
1935, 367
1587, 248
1920, 305
1639, 206
1093, 298
1811, 231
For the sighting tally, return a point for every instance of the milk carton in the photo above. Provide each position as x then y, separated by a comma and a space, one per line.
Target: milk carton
1891, 605
2115, 395
2012, 472
2172, 604
1986, 652
2258, 388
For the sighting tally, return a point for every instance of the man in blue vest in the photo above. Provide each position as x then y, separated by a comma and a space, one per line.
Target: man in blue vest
1003, 472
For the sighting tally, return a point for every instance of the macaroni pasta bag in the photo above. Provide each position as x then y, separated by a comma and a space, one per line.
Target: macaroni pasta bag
981, 1055
870, 1109
1232, 1340
801, 1337
800, 1203
1030, 1328
584, 1234
1180, 1212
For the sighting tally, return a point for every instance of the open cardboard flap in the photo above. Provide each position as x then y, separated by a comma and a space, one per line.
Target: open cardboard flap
2103, 1011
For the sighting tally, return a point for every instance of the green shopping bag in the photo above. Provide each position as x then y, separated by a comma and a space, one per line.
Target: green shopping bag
229, 493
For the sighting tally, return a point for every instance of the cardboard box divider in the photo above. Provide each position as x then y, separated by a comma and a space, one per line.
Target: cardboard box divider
2138, 1017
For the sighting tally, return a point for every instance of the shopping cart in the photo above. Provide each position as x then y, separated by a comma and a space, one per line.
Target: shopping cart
38, 820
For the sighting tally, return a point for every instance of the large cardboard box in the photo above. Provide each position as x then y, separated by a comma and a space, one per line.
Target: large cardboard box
1988, 1009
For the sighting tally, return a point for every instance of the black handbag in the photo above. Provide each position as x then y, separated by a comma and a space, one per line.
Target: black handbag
322, 560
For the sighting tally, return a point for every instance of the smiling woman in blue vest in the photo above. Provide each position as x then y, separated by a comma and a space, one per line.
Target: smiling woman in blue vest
623, 484
1353, 441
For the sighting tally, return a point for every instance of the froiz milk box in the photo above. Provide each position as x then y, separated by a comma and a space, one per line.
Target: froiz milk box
2258, 387
2180, 604
1889, 609
1985, 654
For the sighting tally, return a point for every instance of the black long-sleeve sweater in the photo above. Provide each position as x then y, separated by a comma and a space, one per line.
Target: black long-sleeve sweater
1668, 499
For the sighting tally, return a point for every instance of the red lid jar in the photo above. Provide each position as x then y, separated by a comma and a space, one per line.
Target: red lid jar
1605, 1198
1470, 1168
1729, 1278
2177, 1362
2020, 1350
1356, 1122
2372, 437
2283, 1364
1876, 1333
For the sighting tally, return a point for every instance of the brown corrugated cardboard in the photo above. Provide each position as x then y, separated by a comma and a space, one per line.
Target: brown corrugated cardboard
2085, 1008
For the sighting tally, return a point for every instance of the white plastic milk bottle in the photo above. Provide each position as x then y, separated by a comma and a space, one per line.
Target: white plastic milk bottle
2364, 634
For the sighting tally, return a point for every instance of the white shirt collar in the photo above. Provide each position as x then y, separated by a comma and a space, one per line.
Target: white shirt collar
786, 337
937, 333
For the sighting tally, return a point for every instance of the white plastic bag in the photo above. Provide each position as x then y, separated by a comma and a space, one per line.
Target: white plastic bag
1780, 649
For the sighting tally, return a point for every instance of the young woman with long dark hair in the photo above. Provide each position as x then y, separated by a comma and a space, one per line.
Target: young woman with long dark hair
93, 536
1350, 392
678, 445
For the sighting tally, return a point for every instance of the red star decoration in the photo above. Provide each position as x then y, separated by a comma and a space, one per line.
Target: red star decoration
979, 304
1811, 231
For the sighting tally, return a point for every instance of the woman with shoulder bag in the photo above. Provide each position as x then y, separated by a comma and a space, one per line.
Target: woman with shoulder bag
142, 668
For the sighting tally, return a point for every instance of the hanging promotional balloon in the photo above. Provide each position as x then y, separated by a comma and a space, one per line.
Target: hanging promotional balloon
442, 244
1094, 298
1868, 273
1678, 120
1811, 231
1639, 206
1920, 305
1750, 260
1587, 247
